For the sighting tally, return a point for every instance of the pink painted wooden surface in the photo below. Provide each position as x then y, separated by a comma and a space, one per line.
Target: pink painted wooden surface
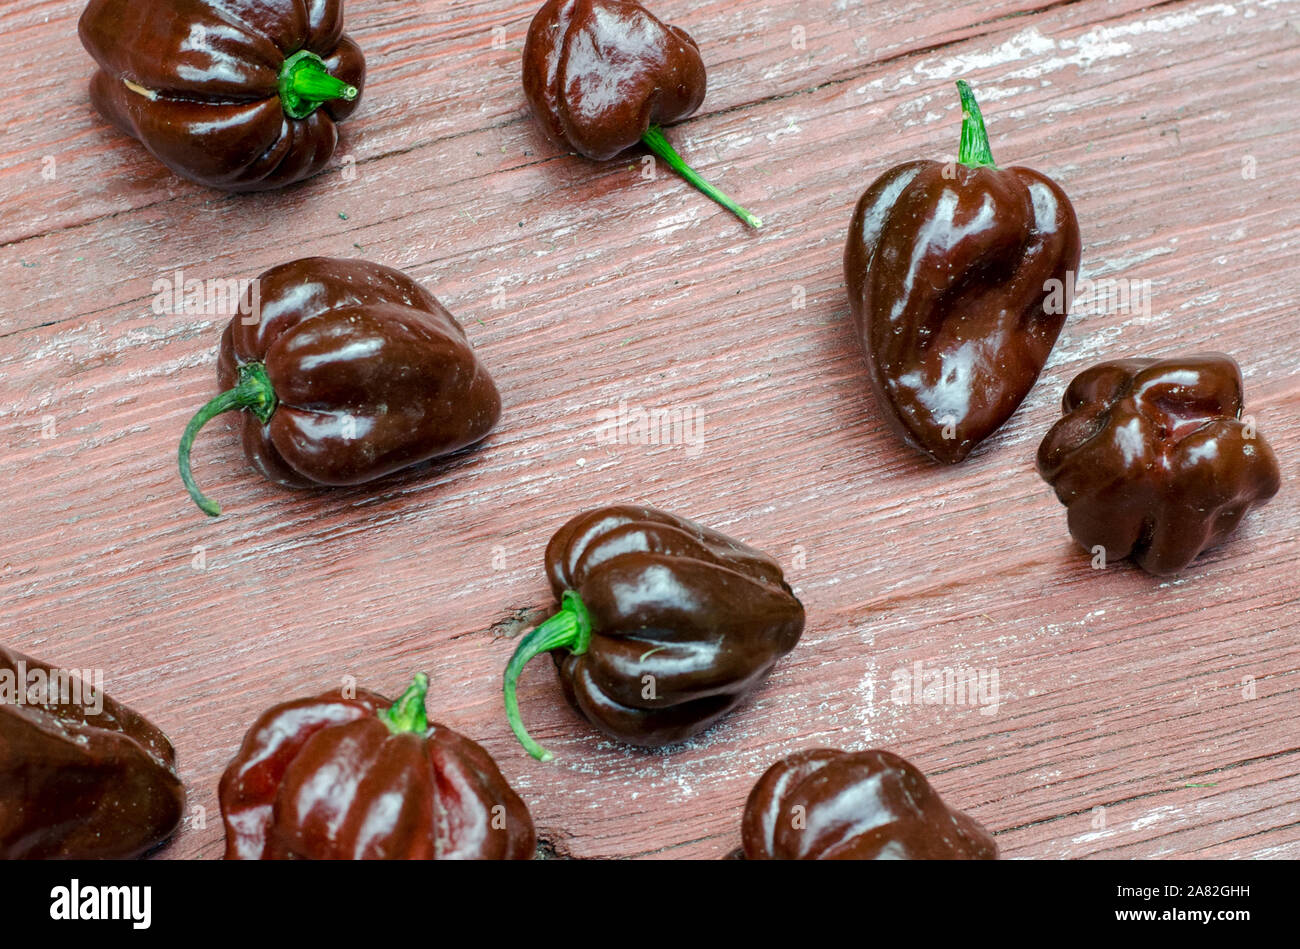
1173, 127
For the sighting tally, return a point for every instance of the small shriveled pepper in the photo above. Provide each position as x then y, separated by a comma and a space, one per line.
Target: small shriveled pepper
231, 94
664, 626
344, 371
603, 75
82, 777
959, 282
1153, 460
825, 804
363, 778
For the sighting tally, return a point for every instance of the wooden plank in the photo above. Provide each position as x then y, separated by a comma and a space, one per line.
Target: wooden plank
584, 285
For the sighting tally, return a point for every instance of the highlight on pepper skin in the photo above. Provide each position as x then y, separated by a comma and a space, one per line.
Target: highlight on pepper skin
218, 113
603, 75
365, 778
950, 270
82, 777
351, 372
826, 804
1154, 461
664, 625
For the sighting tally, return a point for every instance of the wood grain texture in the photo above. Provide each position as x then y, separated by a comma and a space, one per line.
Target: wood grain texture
1136, 717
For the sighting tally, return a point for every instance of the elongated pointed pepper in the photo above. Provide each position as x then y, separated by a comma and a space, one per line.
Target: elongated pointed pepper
959, 279
231, 94
344, 371
603, 75
664, 626
82, 777
362, 778
825, 804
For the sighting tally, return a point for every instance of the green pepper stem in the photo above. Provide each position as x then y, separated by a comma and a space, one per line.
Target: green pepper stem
974, 151
655, 141
570, 629
305, 83
254, 393
407, 714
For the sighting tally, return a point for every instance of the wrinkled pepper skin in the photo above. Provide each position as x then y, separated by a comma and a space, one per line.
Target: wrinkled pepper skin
208, 86
604, 75
647, 593
352, 372
825, 804
1153, 461
958, 279
362, 778
79, 781
600, 73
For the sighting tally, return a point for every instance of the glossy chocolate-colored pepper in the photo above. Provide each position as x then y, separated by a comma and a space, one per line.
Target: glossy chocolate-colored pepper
345, 371
664, 625
81, 776
242, 95
1153, 460
867, 805
363, 778
959, 278
603, 75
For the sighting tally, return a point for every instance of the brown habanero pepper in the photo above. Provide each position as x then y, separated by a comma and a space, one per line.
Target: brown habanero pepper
959, 281
603, 75
363, 778
664, 625
348, 371
825, 804
79, 780
1153, 460
233, 95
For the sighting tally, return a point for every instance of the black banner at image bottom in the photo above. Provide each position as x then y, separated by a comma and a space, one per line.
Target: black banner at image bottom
504, 900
